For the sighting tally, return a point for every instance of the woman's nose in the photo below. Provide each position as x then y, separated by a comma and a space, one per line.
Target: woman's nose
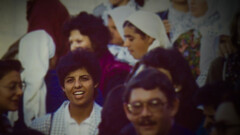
126, 43
77, 84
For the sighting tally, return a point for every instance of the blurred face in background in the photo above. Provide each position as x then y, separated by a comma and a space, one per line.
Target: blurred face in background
116, 38
78, 40
10, 91
198, 8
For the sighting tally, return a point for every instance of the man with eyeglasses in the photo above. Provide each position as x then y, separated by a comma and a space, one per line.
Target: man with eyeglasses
150, 103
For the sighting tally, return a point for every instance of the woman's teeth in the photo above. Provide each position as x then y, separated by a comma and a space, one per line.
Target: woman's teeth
78, 93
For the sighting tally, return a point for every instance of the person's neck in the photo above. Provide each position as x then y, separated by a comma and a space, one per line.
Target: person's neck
181, 6
80, 113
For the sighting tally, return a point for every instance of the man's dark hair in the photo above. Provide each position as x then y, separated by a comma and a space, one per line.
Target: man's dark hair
7, 66
79, 59
91, 26
138, 31
148, 79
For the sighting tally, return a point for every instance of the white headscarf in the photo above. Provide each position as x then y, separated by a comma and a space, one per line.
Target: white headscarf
151, 24
119, 14
210, 20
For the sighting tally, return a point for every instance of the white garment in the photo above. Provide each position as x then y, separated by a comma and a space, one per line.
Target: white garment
35, 50
152, 25
122, 54
86, 127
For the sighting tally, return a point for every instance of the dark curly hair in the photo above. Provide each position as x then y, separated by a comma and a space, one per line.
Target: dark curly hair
91, 26
77, 59
7, 66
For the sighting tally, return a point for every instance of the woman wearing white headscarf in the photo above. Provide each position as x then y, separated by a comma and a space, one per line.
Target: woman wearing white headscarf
144, 31
116, 18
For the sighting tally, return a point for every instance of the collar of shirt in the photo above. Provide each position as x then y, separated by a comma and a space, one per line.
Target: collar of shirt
69, 120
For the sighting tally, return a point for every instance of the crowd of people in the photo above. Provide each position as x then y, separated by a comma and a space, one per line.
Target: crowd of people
122, 70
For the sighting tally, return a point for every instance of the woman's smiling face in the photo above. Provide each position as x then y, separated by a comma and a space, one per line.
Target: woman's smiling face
79, 87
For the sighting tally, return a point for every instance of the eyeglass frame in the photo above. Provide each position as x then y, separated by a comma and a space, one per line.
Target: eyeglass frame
148, 104
22, 85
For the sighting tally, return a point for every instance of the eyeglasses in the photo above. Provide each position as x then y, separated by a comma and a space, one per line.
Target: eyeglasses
153, 105
15, 85
222, 127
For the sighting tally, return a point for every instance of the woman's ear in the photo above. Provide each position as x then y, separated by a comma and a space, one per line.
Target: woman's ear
178, 88
63, 89
174, 108
96, 85
150, 40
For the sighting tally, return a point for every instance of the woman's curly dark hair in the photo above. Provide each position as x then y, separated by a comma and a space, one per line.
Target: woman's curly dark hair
91, 26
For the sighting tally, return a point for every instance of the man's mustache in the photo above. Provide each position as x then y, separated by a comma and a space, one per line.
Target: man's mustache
147, 121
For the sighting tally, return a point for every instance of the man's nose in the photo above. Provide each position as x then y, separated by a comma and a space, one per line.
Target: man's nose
146, 111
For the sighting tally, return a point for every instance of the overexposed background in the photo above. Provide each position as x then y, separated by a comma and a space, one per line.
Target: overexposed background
13, 23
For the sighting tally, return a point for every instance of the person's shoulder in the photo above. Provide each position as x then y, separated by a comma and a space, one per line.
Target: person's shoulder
42, 123
115, 66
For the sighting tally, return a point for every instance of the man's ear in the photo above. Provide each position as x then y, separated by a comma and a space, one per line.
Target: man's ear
174, 108
127, 113
178, 88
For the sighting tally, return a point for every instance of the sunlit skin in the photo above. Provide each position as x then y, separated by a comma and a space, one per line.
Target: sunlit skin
147, 122
118, 2
137, 45
77, 40
198, 8
116, 38
10, 91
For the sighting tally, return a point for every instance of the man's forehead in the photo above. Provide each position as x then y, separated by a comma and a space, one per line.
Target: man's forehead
141, 94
